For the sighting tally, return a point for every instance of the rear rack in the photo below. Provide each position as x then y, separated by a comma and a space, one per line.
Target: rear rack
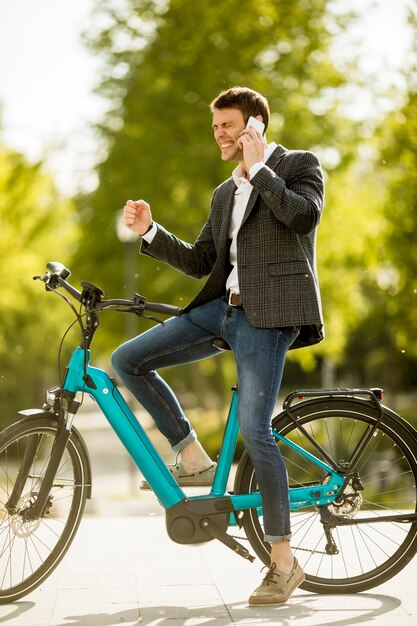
373, 393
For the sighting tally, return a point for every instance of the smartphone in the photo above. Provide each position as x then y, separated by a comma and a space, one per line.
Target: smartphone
256, 124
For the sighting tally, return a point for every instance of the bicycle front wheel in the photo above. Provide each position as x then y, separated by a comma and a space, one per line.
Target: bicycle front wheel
363, 555
31, 549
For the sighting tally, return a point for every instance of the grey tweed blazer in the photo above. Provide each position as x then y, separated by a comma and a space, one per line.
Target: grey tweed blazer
276, 246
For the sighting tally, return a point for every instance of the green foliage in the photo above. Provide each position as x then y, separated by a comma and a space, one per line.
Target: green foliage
349, 247
37, 227
382, 349
399, 154
385, 338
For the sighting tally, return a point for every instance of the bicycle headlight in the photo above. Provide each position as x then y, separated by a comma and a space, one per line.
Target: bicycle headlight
52, 396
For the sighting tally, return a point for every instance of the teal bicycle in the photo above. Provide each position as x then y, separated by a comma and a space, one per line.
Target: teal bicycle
351, 464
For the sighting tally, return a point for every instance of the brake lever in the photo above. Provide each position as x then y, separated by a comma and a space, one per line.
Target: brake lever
44, 279
47, 279
150, 317
140, 302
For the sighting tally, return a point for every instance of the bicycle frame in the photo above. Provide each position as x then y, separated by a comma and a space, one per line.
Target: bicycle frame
132, 435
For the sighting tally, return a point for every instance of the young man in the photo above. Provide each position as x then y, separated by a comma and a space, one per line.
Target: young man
262, 296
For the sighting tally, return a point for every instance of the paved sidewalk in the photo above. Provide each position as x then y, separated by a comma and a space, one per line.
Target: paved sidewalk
126, 571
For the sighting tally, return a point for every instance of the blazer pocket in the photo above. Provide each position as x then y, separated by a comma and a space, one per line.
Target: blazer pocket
289, 267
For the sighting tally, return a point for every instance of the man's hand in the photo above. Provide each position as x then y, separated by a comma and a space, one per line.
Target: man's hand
253, 145
137, 216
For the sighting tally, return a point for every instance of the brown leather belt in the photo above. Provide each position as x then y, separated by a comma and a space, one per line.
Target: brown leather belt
234, 299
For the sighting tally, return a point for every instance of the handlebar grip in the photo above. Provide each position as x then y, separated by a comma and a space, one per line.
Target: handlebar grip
165, 309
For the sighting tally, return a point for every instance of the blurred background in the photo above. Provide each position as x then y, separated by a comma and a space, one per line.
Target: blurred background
106, 100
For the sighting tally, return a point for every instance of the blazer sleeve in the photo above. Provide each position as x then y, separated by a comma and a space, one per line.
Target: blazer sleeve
195, 260
296, 195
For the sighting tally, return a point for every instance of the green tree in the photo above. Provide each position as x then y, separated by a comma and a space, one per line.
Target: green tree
350, 240
400, 151
37, 226
386, 336
383, 350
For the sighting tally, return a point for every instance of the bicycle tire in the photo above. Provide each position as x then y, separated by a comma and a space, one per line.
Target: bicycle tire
31, 550
371, 553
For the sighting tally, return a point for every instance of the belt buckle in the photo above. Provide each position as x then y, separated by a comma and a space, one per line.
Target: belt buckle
234, 299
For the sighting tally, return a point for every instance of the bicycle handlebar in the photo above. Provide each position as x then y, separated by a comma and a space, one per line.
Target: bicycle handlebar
58, 273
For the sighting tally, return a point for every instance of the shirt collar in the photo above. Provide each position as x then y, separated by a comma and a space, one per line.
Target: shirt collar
238, 173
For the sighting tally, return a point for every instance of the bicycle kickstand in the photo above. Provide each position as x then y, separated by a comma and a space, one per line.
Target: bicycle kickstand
217, 533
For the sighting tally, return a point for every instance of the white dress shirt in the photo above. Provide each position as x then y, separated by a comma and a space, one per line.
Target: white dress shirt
242, 193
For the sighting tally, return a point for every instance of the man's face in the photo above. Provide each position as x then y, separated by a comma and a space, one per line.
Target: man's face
227, 126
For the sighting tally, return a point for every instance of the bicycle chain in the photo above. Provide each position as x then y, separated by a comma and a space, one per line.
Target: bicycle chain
300, 549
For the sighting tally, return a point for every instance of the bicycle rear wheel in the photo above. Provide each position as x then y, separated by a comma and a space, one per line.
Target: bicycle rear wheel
369, 553
31, 549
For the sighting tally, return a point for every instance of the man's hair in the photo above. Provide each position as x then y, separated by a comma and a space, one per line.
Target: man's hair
247, 100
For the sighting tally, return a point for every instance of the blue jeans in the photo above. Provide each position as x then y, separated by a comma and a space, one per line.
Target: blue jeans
260, 355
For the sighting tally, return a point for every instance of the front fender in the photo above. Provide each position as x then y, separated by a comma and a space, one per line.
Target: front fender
37, 413
75, 436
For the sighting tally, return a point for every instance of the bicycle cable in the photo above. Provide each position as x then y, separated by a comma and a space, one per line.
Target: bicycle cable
61, 343
78, 316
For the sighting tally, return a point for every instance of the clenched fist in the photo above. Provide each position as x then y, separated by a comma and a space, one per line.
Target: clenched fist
137, 216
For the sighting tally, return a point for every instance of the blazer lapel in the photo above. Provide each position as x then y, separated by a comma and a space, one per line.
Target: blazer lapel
272, 163
229, 194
